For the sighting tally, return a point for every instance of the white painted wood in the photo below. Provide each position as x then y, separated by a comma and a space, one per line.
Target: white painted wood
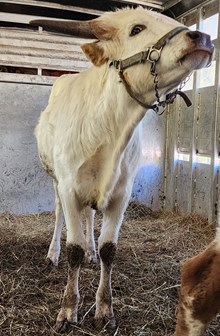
56, 54
44, 36
31, 43
44, 51
28, 79
42, 62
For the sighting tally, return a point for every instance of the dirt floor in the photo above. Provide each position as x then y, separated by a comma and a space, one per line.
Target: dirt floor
145, 276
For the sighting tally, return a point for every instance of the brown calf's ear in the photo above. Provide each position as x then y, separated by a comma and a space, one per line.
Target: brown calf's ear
94, 53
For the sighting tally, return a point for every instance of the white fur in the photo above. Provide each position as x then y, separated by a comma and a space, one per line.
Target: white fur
195, 327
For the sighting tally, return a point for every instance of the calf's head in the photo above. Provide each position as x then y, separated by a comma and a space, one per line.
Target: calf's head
124, 33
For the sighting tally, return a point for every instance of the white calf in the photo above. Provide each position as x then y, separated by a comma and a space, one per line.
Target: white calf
89, 134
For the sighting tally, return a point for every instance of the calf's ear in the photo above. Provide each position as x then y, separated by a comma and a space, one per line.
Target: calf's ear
102, 28
94, 53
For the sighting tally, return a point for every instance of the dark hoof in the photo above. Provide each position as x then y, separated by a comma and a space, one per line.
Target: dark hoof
62, 327
51, 263
110, 324
90, 259
49, 266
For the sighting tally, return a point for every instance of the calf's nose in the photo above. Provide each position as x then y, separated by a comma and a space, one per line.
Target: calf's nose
195, 35
201, 39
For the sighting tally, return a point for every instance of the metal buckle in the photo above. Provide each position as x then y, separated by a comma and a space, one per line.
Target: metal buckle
154, 54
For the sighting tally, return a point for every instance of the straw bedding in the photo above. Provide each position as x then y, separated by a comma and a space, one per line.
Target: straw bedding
145, 278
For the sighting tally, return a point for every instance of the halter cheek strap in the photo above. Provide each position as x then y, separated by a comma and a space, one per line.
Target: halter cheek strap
152, 55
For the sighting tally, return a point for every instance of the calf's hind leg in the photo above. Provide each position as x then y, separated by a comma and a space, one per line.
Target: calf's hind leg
54, 249
90, 255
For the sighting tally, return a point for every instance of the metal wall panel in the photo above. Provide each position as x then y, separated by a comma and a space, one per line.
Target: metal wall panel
148, 184
205, 115
190, 174
24, 187
184, 124
182, 186
192, 160
201, 201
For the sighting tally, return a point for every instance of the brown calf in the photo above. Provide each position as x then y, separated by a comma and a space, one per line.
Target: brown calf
199, 300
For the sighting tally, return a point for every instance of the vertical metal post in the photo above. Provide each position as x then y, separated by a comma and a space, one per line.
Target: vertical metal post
169, 159
192, 184
215, 136
165, 163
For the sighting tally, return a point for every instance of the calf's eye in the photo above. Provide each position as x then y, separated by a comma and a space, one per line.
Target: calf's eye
137, 29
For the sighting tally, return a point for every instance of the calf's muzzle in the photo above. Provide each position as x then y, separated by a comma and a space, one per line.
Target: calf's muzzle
201, 41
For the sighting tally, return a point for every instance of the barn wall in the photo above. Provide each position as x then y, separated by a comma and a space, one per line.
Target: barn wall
24, 187
179, 169
191, 182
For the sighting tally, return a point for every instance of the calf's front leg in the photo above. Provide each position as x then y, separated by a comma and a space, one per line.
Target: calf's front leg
104, 308
76, 246
69, 309
107, 244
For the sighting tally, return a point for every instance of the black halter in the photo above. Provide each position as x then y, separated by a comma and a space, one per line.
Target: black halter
152, 55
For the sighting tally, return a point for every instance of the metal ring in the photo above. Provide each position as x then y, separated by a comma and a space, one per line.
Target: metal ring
154, 54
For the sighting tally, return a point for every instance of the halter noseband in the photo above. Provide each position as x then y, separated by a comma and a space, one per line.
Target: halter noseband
152, 55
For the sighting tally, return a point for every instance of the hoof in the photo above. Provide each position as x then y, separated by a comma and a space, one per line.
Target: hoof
49, 265
52, 262
110, 324
53, 254
90, 258
62, 327
49, 262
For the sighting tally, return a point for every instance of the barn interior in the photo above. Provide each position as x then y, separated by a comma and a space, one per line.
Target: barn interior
173, 209
180, 156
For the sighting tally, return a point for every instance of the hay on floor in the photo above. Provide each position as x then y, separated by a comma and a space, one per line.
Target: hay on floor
145, 278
